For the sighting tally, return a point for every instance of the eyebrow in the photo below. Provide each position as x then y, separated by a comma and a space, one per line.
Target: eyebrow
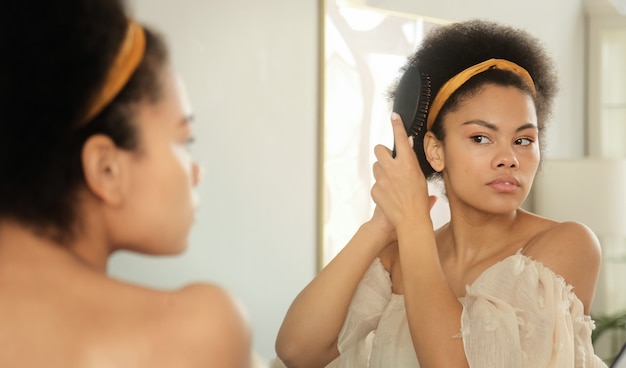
495, 128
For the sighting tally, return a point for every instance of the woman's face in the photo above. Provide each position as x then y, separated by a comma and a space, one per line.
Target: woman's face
491, 149
162, 175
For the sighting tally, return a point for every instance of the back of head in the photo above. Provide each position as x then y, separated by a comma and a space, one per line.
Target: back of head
51, 51
55, 57
450, 49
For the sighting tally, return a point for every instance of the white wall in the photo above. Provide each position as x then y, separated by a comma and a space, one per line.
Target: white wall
251, 70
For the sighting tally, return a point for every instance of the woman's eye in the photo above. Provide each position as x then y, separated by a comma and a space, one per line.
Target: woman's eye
481, 139
523, 141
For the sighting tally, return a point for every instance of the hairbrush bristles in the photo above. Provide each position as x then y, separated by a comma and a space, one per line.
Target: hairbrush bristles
412, 102
423, 106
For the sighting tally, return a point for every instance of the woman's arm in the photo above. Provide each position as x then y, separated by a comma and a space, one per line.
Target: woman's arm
309, 333
433, 311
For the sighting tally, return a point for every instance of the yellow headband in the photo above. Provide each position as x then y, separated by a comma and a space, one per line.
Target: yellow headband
126, 61
458, 80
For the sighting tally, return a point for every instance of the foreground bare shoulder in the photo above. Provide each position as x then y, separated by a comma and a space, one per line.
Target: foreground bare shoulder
210, 326
572, 251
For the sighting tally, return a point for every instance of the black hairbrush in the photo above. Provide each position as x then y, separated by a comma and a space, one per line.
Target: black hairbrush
411, 102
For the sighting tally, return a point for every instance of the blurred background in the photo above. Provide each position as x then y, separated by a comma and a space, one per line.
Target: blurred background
255, 75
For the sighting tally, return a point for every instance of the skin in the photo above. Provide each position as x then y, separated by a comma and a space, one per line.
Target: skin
58, 308
488, 159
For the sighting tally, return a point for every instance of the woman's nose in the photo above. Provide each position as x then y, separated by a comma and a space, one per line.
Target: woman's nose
506, 159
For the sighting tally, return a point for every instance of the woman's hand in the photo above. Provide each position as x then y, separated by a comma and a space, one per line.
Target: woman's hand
381, 224
401, 190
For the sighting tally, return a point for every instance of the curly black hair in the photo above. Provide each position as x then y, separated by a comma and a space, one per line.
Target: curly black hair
55, 56
449, 49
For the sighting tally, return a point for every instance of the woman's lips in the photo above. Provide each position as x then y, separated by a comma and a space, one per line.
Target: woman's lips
505, 185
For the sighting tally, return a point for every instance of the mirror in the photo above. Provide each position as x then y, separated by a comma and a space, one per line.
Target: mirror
364, 49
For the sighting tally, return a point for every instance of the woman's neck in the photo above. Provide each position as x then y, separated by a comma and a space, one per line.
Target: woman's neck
18, 241
471, 236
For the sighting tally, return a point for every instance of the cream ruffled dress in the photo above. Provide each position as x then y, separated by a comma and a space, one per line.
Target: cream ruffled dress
517, 313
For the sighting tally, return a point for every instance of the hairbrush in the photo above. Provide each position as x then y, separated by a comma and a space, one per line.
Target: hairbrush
411, 102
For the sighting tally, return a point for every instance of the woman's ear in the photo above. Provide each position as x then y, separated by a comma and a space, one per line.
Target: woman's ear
433, 148
103, 168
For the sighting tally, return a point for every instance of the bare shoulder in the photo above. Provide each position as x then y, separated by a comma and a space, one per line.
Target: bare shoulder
79, 318
572, 251
206, 326
565, 239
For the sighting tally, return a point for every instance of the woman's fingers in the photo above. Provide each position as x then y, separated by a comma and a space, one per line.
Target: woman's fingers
403, 143
381, 152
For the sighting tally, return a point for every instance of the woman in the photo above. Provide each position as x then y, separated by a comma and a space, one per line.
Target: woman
94, 127
495, 287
